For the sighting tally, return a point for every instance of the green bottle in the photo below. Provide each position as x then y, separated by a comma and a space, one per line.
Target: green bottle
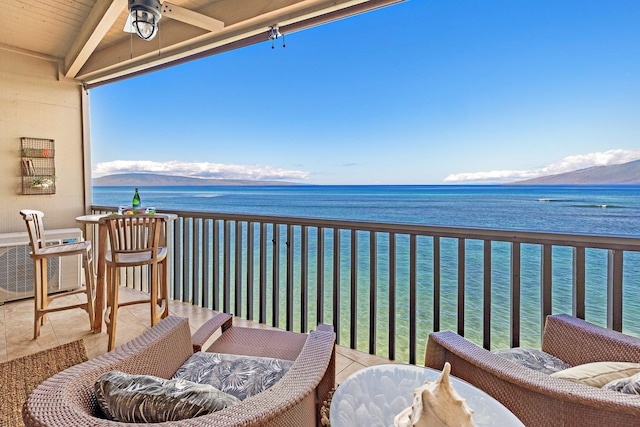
135, 204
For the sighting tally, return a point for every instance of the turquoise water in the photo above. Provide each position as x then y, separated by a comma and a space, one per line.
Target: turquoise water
611, 210
607, 210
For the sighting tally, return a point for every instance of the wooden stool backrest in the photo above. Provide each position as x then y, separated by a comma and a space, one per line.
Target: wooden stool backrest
35, 227
134, 234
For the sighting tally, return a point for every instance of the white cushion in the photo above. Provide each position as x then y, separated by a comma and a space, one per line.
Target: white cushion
598, 374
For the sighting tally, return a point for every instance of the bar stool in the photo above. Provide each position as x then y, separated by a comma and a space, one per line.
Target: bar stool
135, 241
40, 253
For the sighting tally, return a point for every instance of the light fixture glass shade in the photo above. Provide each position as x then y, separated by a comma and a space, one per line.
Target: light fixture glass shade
144, 24
144, 15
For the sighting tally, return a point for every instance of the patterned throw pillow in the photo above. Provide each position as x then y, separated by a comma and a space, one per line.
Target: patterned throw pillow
534, 359
149, 399
240, 376
629, 385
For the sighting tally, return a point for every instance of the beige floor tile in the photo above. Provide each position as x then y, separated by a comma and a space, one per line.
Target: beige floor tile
16, 330
96, 344
345, 373
360, 357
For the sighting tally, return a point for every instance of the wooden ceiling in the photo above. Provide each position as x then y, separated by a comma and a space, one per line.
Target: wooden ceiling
86, 37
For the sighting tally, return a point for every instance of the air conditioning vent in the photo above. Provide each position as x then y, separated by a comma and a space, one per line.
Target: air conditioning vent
16, 266
16, 270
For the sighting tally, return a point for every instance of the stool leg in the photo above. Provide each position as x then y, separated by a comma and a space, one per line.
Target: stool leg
44, 287
37, 297
164, 287
153, 288
90, 286
112, 304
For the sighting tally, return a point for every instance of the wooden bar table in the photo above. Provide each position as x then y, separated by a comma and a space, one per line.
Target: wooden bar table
101, 300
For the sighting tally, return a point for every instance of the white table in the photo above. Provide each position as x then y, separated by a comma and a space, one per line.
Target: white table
373, 396
100, 302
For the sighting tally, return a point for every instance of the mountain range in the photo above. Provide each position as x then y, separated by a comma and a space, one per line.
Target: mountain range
158, 180
625, 173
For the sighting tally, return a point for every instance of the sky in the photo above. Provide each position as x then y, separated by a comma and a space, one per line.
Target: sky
422, 92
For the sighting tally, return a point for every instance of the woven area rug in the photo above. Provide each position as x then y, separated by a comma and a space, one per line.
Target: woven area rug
20, 376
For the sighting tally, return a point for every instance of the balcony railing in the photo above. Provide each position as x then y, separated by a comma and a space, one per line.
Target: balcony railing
384, 286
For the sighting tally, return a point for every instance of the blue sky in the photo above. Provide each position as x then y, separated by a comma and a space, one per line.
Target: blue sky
423, 92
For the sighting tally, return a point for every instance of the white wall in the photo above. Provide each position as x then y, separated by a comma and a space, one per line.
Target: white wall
35, 101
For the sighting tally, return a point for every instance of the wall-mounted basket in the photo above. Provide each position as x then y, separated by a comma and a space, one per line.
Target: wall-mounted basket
38, 166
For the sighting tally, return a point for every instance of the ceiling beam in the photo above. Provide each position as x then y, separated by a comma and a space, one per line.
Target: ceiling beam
31, 53
118, 60
247, 40
101, 18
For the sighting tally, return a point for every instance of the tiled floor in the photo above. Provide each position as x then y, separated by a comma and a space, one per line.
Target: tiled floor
16, 329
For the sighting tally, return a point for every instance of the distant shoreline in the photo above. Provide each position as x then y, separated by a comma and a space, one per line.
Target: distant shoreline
158, 180
626, 174
479, 186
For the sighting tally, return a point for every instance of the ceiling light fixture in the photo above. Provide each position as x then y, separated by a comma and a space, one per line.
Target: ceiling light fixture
143, 18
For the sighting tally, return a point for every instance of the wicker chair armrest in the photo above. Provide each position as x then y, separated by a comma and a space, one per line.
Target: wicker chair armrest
158, 351
221, 321
536, 398
298, 384
577, 342
324, 327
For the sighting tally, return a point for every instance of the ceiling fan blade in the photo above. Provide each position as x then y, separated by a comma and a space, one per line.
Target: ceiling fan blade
128, 25
187, 16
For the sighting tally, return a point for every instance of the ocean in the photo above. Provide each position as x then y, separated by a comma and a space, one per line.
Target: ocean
603, 210
597, 210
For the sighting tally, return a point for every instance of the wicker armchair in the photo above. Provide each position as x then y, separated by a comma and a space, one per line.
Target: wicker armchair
67, 398
536, 398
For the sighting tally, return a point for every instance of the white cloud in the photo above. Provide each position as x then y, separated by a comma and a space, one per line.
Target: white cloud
568, 164
199, 170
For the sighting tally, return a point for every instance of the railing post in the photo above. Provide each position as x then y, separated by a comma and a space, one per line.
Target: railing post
275, 273
392, 296
486, 296
373, 290
216, 265
263, 273
250, 272
336, 283
546, 285
186, 255
196, 267
515, 294
436, 283
413, 305
578, 282
206, 263
177, 256
614, 290
226, 291
304, 279
320, 275
290, 256
462, 250
353, 333
238, 270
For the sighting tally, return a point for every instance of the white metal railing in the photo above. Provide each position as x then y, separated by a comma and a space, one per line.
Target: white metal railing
385, 287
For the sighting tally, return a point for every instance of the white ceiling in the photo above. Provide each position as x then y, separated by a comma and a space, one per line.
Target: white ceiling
86, 37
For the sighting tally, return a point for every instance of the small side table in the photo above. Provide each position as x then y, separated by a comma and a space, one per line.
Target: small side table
375, 395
